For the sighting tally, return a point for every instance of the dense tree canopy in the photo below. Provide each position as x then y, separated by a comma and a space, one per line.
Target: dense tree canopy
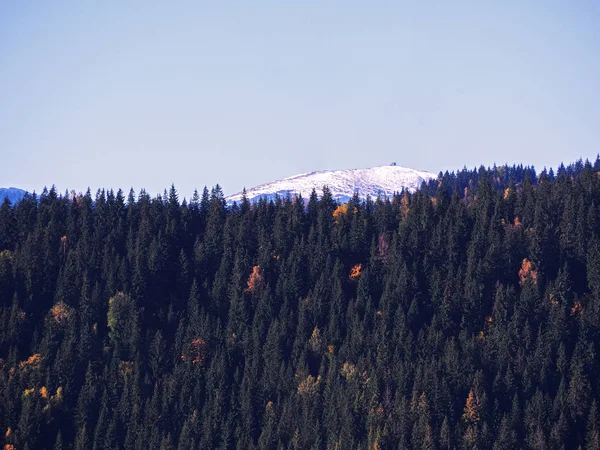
464, 315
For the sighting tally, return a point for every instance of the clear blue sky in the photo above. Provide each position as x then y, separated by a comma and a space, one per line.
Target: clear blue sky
143, 94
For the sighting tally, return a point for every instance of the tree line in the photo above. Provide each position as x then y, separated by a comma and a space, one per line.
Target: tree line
463, 315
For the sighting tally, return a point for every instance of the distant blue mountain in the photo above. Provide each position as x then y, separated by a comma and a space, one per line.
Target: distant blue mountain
13, 194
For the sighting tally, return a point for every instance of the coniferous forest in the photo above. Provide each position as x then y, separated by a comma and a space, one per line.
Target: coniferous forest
464, 315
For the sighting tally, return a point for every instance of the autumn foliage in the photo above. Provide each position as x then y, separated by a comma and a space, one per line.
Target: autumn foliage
339, 212
126, 368
514, 226
309, 386
60, 313
577, 309
404, 205
315, 340
255, 280
355, 272
472, 406
29, 391
527, 272
381, 323
342, 211
348, 370
32, 363
63, 244
196, 352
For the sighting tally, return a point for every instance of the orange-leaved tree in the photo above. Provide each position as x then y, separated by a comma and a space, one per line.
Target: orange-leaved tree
196, 352
355, 272
255, 280
527, 272
471, 411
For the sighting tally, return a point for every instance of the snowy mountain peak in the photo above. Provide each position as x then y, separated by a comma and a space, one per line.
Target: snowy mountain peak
381, 180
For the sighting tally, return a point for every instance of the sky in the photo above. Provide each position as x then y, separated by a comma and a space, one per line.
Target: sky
120, 94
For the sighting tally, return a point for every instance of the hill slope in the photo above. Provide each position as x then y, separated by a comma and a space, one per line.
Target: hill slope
382, 180
13, 194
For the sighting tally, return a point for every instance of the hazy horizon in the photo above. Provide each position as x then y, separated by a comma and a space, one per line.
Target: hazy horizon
187, 196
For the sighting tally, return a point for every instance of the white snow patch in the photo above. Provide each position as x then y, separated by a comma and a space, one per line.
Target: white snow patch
377, 181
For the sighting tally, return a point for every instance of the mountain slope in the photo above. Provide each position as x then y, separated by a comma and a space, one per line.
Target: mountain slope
381, 180
13, 194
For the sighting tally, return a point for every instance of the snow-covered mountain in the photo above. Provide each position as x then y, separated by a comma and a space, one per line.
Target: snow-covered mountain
13, 194
382, 180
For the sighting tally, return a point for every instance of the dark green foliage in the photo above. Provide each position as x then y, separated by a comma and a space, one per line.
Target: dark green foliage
465, 315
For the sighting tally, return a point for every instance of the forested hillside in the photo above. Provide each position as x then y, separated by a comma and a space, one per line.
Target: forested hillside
465, 315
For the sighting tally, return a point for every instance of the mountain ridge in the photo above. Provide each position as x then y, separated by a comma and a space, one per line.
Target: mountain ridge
344, 183
12, 193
